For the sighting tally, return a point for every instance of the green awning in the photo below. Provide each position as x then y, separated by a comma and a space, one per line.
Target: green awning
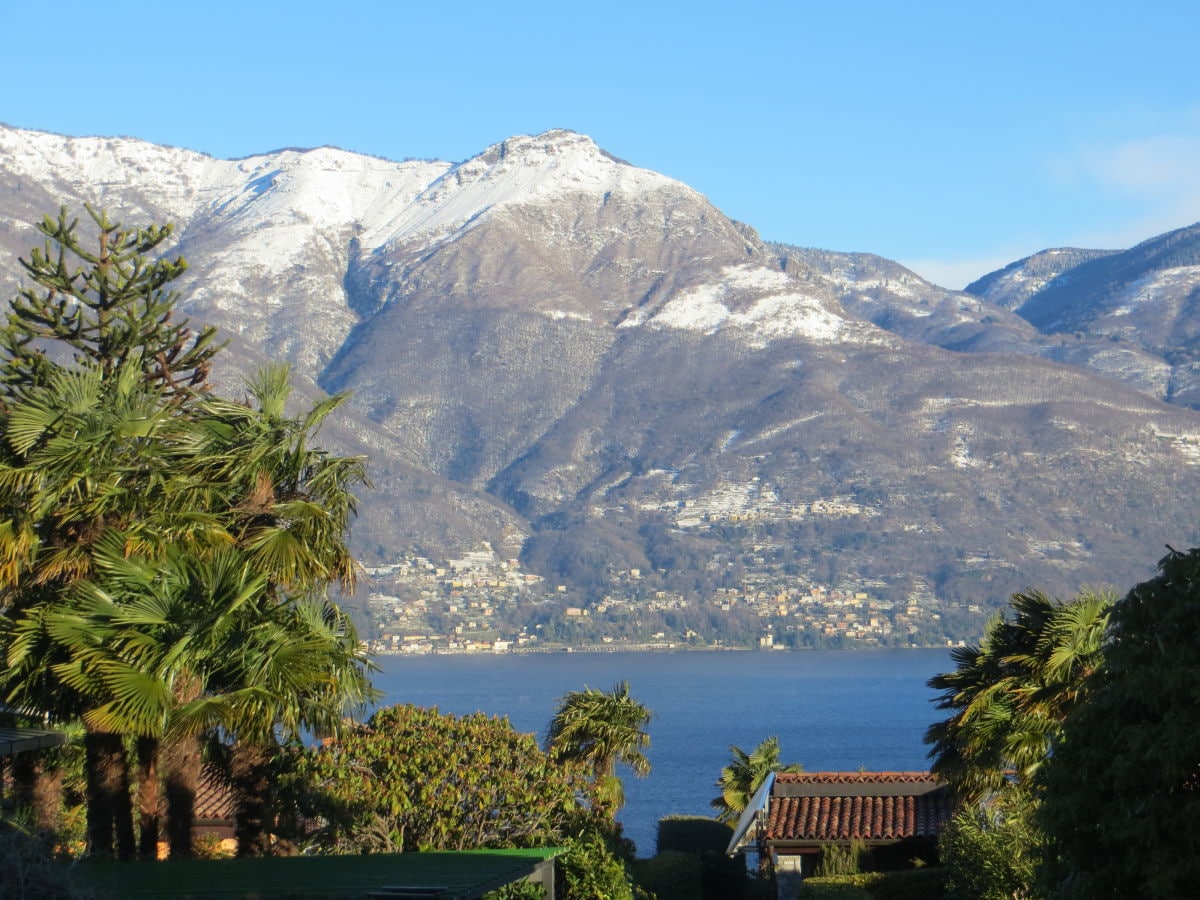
464, 875
21, 740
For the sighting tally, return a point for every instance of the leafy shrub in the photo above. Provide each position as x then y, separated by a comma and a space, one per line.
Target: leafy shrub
417, 779
518, 890
991, 852
912, 884
589, 870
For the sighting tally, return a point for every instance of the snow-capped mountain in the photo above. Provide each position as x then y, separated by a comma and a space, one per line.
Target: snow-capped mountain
588, 363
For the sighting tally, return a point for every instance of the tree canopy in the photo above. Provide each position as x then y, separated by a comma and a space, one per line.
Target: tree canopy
417, 779
1121, 793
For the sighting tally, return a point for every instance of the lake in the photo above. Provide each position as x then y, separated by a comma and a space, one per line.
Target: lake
832, 710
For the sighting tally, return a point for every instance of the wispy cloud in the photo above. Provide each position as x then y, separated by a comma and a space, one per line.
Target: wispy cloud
1161, 174
1157, 176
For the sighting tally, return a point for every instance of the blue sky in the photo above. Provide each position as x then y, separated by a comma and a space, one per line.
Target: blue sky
953, 137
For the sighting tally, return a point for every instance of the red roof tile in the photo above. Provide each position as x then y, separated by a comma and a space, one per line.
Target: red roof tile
214, 798
845, 806
856, 778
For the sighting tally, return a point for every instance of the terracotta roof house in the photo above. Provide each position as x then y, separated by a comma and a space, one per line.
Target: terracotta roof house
214, 809
796, 816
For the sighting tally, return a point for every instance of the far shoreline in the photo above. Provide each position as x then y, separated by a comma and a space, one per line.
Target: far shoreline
646, 648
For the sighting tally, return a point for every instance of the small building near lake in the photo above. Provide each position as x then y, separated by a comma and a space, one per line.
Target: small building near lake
795, 817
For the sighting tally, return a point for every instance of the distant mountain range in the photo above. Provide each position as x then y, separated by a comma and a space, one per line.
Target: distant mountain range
587, 364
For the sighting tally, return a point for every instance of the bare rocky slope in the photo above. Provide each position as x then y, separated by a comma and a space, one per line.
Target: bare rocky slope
588, 364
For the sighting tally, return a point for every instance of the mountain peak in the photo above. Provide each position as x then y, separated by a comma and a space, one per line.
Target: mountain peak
520, 171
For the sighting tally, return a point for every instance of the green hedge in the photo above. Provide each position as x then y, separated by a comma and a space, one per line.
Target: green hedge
835, 887
705, 839
692, 834
912, 884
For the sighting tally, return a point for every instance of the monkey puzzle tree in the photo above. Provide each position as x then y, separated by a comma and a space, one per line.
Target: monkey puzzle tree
105, 306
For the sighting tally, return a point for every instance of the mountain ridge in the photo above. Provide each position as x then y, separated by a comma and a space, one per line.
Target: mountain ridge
589, 365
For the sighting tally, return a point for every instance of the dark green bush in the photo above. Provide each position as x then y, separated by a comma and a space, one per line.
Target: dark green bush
704, 838
910, 884
692, 834
836, 887
672, 875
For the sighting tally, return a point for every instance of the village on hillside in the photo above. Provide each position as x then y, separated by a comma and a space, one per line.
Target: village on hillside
481, 603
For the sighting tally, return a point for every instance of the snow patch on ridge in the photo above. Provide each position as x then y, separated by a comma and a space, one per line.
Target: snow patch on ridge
1162, 286
782, 312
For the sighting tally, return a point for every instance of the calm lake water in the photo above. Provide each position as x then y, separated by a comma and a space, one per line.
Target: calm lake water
832, 710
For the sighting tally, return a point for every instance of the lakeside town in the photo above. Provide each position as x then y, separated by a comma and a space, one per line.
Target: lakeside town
482, 603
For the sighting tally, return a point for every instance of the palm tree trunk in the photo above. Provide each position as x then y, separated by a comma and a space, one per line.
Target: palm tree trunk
184, 761
110, 808
47, 801
249, 773
183, 778
148, 798
38, 787
24, 776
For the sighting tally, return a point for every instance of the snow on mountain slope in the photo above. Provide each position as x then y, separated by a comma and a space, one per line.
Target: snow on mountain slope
325, 188
761, 305
1165, 287
173, 183
523, 170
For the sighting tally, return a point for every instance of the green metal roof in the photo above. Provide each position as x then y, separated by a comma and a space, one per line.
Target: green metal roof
20, 740
463, 875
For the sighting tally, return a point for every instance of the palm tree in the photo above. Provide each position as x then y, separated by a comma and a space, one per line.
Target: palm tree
82, 453
301, 670
138, 638
287, 506
1010, 694
172, 648
742, 778
599, 730
220, 518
